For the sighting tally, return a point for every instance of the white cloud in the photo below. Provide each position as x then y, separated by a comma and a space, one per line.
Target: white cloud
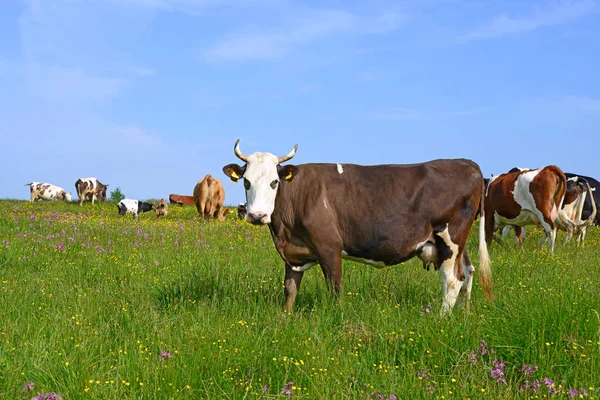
421, 114
312, 26
559, 13
194, 7
141, 71
135, 136
567, 106
70, 85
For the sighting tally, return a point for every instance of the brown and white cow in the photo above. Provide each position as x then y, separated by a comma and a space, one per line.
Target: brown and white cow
379, 215
90, 189
209, 197
47, 191
525, 197
570, 217
182, 200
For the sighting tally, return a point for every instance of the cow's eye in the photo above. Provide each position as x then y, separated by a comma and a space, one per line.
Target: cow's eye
246, 184
274, 183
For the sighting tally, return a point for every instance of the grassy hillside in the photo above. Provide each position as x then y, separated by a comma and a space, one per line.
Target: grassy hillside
101, 307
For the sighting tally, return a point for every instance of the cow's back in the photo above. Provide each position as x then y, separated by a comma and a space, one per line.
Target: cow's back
371, 205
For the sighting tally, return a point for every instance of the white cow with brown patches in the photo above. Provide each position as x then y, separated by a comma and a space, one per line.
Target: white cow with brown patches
90, 188
47, 191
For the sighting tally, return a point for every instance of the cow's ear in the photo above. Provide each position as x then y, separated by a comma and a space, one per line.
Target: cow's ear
234, 171
288, 172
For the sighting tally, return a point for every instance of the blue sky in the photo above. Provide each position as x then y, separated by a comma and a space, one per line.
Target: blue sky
150, 95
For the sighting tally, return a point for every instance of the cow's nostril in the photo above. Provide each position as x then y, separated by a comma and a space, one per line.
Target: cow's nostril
256, 218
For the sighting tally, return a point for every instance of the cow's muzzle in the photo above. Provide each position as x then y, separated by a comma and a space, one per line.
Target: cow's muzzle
256, 219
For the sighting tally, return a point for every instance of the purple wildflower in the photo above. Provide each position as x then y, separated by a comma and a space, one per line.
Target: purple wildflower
583, 392
265, 389
548, 382
421, 374
165, 354
535, 385
287, 389
472, 358
430, 389
426, 310
498, 371
572, 392
28, 387
483, 347
529, 369
392, 397
47, 396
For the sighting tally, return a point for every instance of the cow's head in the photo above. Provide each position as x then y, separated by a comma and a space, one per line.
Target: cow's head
101, 192
262, 175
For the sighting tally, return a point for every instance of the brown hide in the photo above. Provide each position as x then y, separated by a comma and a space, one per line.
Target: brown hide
181, 200
209, 197
161, 208
547, 188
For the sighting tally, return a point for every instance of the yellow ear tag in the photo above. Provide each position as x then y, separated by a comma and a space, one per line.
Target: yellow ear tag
234, 175
289, 176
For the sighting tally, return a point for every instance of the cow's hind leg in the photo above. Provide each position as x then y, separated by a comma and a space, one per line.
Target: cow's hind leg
291, 285
468, 270
449, 256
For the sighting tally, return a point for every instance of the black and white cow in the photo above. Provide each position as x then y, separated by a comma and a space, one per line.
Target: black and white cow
595, 197
378, 215
134, 207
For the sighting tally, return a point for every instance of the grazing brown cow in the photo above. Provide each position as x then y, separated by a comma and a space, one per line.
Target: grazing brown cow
162, 208
90, 189
527, 197
378, 215
209, 197
181, 199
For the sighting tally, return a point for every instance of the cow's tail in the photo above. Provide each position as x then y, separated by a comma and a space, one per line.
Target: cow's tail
28, 184
485, 264
561, 190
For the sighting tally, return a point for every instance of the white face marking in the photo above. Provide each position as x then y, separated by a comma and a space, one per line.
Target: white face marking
261, 171
325, 203
340, 169
377, 264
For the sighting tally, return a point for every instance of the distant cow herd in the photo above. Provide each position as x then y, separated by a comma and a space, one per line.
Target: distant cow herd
208, 197
381, 215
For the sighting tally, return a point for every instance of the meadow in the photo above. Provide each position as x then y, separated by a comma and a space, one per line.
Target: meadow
93, 306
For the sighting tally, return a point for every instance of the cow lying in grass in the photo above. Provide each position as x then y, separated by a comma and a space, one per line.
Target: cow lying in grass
134, 207
47, 191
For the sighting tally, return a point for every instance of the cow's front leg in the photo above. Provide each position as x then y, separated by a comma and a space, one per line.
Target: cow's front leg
291, 285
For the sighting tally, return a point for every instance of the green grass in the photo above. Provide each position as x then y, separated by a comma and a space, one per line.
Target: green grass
89, 302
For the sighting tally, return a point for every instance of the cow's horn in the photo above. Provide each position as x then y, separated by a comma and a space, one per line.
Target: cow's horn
238, 153
288, 155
